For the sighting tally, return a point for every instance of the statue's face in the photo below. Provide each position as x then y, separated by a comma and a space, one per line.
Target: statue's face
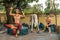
17, 10
48, 16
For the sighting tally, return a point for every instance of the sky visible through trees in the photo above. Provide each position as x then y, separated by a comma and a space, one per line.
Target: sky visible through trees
43, 3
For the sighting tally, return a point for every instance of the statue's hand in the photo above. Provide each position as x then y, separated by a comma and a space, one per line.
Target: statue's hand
11, 8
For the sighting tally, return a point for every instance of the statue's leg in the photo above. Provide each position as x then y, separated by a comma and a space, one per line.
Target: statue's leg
37, 27
32, 26
49, 29
19, 26
14, 31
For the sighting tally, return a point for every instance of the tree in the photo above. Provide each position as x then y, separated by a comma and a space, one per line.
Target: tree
16, 3
52, 8
37, 8
58, 11
47, 9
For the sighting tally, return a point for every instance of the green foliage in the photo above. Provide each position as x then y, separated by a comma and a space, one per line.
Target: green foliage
58, 11
30, 10
2, 8
35, 9
51, 7
47, 9
19, 3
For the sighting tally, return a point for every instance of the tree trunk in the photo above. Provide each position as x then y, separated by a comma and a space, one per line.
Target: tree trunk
57, 28
38, 17
9, 18
56, 19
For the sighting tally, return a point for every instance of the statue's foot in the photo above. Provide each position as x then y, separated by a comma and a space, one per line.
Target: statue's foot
38, 32
18, 31
31, 31
42, 30
49, 31
16, 35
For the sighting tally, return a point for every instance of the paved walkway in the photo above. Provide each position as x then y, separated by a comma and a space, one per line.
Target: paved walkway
32, 36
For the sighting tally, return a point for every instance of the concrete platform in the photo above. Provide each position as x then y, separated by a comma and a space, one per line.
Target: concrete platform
31, 36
